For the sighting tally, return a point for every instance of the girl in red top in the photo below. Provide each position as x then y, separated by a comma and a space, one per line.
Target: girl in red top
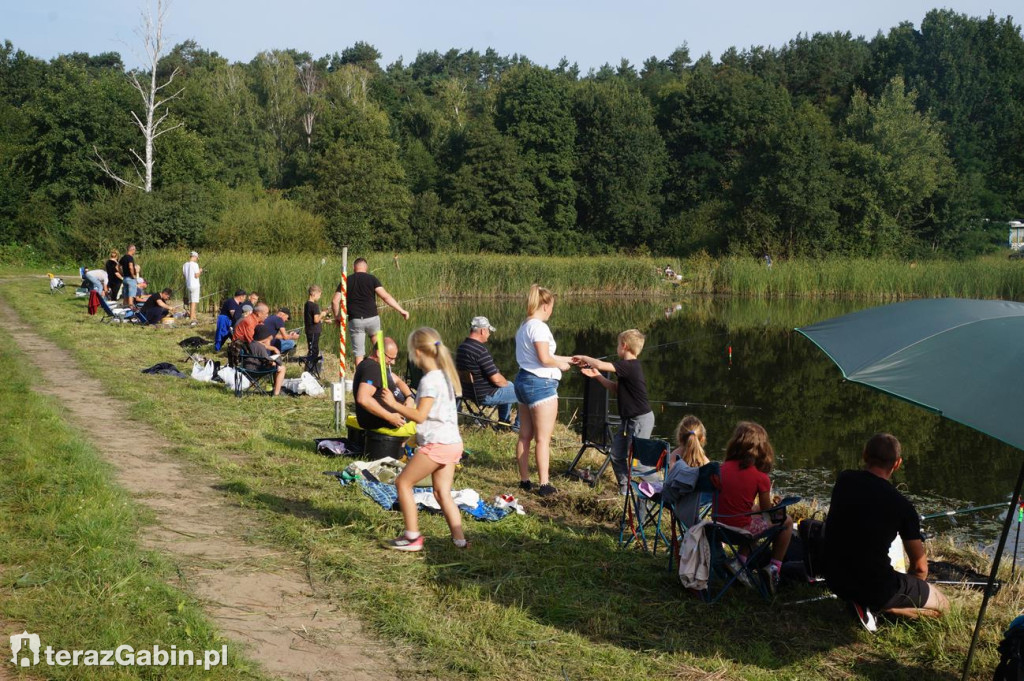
749, 459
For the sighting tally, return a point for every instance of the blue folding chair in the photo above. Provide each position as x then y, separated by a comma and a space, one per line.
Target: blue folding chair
643, 506
726, 541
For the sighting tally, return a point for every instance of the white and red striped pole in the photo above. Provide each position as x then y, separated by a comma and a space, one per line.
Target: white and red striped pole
339, 387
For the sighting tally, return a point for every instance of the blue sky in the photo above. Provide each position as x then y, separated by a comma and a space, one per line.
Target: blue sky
589, 33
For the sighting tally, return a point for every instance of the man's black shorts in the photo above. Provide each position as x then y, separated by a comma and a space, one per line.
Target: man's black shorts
912, 593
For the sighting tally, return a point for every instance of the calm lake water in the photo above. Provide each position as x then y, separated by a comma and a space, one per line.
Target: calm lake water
817, 422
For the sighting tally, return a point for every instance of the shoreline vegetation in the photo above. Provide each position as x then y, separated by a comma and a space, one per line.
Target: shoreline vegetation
283, 278
539, 596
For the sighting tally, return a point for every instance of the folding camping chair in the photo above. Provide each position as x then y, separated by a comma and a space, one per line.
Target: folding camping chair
479, 414
255, 370
56, 283
727, 541
687, 495
644, 502
119, 315
192, 345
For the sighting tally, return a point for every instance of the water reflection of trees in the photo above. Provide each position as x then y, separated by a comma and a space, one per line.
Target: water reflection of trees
817, 421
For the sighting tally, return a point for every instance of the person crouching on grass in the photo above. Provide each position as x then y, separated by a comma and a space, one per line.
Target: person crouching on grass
439, 444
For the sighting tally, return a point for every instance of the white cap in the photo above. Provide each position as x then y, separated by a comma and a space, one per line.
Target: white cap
481, 323
193, 254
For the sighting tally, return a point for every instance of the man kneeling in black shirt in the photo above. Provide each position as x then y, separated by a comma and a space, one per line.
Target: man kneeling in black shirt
865, 514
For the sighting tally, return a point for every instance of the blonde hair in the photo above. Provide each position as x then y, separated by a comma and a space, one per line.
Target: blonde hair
633, 340
538, 296
428, 342
114, 253
314, 289
689, 434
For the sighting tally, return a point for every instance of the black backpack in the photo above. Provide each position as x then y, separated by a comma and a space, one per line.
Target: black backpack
812, 536
1011, 660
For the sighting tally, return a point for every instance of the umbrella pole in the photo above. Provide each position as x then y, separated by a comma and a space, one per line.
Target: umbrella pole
995, 569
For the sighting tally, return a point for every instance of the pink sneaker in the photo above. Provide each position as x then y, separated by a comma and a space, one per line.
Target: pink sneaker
403, 543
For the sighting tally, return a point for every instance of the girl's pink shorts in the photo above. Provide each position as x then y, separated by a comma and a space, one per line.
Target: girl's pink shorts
441, 454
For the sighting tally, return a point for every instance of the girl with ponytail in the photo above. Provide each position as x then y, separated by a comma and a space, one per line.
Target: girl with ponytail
691, 436
536, 384
439, 444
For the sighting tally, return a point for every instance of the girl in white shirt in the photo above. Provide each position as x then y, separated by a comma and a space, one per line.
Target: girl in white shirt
540, 369
439, 444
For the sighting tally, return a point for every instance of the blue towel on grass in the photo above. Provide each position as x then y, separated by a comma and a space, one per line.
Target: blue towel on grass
387, 496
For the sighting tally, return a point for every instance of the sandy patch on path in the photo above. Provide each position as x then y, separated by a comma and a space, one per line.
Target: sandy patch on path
258, 596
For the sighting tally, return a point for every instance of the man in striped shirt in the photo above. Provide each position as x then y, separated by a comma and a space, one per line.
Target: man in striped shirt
489, 388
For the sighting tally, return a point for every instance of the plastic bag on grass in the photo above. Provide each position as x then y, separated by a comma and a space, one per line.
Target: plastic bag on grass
227, 374
202, 373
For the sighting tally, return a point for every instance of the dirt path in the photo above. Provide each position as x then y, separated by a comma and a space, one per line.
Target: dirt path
260, 597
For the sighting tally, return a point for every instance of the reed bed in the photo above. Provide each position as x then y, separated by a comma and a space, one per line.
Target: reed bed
282, 279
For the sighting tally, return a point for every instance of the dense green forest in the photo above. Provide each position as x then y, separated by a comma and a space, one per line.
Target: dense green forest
906, 144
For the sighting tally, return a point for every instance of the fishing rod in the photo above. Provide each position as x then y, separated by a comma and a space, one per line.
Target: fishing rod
212, 294
961, 511
680, 404
381, 306
678, 342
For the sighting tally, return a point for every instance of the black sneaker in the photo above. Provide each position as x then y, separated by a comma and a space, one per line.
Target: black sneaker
525, 485
546, 490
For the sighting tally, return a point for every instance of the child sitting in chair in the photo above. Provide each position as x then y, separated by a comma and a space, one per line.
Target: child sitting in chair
691, 436
749, 458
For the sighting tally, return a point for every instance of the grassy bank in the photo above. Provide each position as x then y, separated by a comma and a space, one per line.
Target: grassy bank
282, 279
546, 596
70, 568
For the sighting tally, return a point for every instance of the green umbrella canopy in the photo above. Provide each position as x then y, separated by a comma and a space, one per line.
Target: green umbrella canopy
963, 359
960, 358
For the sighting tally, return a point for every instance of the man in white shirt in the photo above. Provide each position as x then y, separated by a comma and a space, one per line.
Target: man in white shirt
191, 270
98, 281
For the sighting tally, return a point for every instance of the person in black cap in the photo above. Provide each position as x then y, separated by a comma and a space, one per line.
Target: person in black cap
283, 339
264, 355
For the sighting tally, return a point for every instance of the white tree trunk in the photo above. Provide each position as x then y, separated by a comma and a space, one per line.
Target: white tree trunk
155, 109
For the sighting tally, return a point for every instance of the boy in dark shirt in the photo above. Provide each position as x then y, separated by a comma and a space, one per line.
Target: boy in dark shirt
864, 517
631, 389
312, 320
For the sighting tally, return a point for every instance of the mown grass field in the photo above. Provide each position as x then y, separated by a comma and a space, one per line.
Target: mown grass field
547, 595
71, 569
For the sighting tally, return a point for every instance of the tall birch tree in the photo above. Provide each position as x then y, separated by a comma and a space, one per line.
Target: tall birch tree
154, 97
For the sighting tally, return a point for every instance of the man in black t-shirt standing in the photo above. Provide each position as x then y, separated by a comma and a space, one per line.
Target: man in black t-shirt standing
864, 517
130, 277
631, 390
371, 413
489, 386
363, 320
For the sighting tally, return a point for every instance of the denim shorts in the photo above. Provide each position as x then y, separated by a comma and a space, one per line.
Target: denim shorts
130, 287
531, 389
